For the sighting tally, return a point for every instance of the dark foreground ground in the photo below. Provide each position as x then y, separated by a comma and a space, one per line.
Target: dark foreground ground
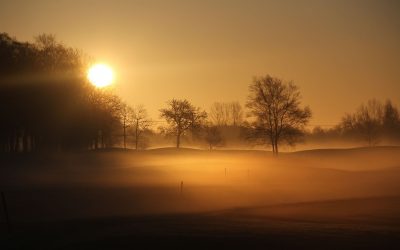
322, 225
328, 199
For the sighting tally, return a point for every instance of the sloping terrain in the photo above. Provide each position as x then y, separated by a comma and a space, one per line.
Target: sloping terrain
347, 197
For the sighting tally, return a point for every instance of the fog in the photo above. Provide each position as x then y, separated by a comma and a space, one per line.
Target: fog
126, 182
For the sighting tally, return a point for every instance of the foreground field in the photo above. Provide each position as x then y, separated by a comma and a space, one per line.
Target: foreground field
119, 199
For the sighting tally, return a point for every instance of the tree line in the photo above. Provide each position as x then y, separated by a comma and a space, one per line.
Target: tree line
48, 104
371, 123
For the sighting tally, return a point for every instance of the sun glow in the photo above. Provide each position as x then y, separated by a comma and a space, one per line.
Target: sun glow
100, 75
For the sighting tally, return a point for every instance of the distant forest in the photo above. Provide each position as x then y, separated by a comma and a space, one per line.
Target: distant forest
373, 123
47, 104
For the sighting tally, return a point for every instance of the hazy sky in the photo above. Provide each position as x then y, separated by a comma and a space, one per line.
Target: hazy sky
340, 53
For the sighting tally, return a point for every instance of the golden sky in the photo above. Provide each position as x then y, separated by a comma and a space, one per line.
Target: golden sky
340, 52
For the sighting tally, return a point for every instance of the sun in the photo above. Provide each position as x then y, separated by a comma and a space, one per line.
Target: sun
100, 75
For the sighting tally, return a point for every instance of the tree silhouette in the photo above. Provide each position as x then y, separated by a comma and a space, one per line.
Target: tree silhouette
141, 123
212, 136
126, 117
275, 108
368, 121
236, 112
181, 117
372, 121
219, 113
47, 102
224, 114
391, 121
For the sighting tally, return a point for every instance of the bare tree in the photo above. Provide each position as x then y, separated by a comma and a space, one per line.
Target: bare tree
226, 113
236, 113
182, 116
391, 121
212, 136
219, 113
105, 116
371, 122
368, 121
275, 108
126, 114
365, 123
55, 57
141, 123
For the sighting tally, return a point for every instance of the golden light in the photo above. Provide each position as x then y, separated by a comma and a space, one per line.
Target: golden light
100, 75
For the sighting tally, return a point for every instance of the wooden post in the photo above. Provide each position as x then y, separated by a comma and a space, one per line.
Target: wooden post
181, 187
225, 171
6, 212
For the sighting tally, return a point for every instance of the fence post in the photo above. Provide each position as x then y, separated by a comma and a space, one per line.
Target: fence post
181, 187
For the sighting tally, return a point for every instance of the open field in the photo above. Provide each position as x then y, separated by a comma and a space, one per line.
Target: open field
342, 198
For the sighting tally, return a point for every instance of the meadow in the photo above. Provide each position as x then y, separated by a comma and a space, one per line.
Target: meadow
168, 197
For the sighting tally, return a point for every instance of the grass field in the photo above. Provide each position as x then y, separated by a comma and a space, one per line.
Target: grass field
317, 199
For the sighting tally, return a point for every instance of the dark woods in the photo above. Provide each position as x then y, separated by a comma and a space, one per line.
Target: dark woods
46, 101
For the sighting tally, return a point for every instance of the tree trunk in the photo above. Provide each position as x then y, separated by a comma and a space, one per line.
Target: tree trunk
276, 146
271, 138
137, 135
178, 140
124, 135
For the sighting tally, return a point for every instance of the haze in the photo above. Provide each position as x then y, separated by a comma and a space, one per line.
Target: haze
340, 53
199, 124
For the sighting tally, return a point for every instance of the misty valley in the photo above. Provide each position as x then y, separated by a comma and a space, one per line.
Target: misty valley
177, 124
178, 196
